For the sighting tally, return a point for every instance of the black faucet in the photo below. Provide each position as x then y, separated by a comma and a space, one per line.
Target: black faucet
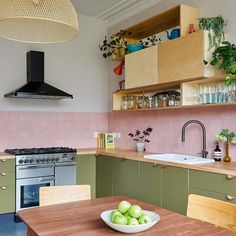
204, 151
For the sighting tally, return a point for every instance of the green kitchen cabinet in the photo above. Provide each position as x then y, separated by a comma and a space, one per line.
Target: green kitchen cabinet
7, 199
125, 177
86, 172
212, 185
175, 189
7, 186
150, 183
103, 176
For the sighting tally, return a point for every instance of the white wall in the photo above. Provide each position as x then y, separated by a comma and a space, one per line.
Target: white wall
207, 8
76, 67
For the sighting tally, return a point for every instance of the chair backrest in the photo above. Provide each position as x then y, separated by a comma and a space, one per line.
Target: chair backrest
63, 194
213, 211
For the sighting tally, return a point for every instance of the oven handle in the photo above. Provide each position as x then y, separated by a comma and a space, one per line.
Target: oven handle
35, 167
46, 179
65, 164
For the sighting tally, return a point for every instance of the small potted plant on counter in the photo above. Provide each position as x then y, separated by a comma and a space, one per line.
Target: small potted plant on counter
141, 138
227, 137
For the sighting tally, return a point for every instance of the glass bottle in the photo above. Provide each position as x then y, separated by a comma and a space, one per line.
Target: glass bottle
217, 153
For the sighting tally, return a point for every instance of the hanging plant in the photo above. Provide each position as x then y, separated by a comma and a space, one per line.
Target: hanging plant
224, 57
215, 26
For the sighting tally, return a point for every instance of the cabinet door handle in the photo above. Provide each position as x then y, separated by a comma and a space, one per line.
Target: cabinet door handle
4, 188
230, 177
3, 174
155, 165
163, 166
3, 160
230, 197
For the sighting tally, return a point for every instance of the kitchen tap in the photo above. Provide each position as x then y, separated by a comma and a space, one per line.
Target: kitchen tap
204, 152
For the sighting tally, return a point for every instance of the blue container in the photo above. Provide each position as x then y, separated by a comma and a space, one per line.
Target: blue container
134, 47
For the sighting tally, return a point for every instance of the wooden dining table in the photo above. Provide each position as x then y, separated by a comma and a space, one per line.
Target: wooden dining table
83, 218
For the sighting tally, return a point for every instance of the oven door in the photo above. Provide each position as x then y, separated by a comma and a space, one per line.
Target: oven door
27, 191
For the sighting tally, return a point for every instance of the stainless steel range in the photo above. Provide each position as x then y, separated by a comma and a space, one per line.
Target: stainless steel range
38, 167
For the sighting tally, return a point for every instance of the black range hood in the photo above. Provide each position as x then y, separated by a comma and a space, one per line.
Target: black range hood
36, 87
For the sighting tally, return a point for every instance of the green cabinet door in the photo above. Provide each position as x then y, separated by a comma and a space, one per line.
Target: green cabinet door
150, 183
125, 177
103, 176
175, 189
86, 172
7, 199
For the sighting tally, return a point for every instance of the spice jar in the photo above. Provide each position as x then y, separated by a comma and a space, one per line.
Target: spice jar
124, 103
155, 101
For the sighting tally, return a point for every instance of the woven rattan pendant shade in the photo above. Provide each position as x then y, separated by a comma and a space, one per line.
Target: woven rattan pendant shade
38, 21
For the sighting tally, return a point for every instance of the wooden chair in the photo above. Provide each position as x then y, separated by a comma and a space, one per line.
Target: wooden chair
63, 194
213, 211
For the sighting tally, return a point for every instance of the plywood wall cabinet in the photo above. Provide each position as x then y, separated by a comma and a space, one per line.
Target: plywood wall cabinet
182, 58
141, 68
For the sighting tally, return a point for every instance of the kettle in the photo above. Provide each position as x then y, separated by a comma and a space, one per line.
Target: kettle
175, 33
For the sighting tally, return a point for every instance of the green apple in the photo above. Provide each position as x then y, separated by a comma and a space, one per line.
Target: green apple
114, 214
123, 207
127, 216
135, 211
144, 219
133, 221
120, 220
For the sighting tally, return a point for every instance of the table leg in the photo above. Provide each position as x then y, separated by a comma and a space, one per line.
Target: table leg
30, 232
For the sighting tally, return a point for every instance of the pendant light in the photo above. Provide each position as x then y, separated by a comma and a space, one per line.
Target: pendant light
38, 21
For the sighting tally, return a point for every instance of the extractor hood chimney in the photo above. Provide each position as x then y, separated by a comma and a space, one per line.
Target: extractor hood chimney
36, 88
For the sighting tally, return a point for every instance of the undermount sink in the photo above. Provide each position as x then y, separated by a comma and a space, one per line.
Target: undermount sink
179, 158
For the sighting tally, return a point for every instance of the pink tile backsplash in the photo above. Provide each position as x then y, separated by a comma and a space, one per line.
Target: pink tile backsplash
167, 125
45, 129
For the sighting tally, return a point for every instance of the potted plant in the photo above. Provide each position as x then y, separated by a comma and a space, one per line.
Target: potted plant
224, 57
227, 137
117, 45
141, 138
215, 26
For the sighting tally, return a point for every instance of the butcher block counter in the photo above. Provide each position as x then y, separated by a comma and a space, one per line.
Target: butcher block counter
217, 167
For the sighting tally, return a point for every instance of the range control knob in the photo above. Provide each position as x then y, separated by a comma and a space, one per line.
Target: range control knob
21, 161
43, 160
31, 160
26, 161
72, 158
38, 160
57, 159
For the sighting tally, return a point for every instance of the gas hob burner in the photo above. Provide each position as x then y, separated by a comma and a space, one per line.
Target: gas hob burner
30, 151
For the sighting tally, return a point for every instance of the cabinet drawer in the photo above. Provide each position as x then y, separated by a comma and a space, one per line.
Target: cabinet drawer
7, 178
212, 182
7, 199
7, 165
219, 196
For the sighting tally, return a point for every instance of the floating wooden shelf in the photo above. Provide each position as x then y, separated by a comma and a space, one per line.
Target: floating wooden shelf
181, 15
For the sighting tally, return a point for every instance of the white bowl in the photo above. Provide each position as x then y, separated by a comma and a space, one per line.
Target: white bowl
106, 217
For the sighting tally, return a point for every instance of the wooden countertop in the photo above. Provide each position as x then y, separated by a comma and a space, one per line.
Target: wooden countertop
217, 167
83, 218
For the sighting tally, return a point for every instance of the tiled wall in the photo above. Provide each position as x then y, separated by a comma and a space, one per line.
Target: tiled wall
167, 125
45, 129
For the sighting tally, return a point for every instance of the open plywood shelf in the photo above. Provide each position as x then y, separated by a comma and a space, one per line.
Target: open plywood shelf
181, 15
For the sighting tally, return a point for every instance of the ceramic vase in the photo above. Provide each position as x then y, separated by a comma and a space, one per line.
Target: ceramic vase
227, 158
140, 147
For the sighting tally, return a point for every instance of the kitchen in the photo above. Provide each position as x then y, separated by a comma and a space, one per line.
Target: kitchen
78, 68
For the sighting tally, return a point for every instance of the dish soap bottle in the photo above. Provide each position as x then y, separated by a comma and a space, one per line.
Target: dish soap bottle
217, 153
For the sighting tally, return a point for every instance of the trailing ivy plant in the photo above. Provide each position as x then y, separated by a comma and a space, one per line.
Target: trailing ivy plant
110, 46
224, 57
215, 26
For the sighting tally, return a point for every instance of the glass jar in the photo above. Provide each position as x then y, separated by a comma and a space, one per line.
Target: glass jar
155, 101
163, 100
131, 100
171, 101
124, 103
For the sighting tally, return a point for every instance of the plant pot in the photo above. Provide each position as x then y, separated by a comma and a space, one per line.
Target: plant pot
119, 54
227, 158
140, 147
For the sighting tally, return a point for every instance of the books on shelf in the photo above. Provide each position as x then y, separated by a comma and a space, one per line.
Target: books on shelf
105, 140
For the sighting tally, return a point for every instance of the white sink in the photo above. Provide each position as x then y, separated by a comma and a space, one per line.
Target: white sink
179, 158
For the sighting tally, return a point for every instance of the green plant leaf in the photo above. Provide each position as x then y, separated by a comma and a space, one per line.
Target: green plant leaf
229, 81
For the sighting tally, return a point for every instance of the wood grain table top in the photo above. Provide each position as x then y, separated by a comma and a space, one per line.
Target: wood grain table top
83, 218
